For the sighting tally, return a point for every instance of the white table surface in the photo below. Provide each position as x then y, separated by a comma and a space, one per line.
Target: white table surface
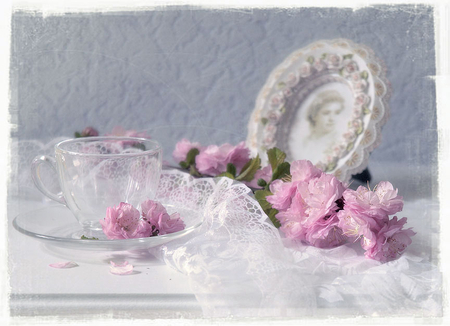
153, 289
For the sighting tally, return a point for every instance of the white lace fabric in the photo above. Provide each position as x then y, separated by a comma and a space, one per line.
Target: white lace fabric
239, 265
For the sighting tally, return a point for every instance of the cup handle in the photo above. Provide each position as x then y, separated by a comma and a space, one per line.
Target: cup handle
35, 174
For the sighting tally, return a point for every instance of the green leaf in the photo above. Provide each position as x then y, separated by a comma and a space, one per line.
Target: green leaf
184, 165
264, 121
324, 55
193, 171
261, 183
260, 196
347, 56
231, 169
310, 59
276, 157
83, 237
330, 167
249, 169
77, 134
190, 157
364, 74
227, 174
281, 171
273, 219
281, 85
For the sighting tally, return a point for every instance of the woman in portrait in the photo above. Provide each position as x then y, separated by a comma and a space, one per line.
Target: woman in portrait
322, 116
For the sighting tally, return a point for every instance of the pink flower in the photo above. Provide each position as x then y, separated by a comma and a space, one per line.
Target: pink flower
282, 194
305, 69
388, 199
304, 170
89, 132
213, 159
292, 79
124, 222
319, 65
350, 66
326, 233
276, 100
333, 60
320, 195
119, 131
265, 173
380, 203
159, 221
391, 241
182, 148
357, 225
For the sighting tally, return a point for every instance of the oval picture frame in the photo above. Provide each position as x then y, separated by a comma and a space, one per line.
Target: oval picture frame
326, 103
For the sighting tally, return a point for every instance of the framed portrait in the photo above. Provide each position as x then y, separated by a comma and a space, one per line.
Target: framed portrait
325, 103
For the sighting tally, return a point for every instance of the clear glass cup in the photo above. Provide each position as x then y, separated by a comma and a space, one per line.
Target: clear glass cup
99, 172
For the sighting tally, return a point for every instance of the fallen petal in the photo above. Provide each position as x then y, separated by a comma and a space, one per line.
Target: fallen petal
120, 269
125, 263
69, 264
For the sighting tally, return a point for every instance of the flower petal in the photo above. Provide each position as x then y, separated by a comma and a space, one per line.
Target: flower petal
68, 264
121, 269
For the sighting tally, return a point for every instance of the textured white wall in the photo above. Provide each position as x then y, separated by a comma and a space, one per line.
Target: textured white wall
171, 68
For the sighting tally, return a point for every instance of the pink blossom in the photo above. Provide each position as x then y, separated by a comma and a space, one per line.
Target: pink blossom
292, 79
389, 201
380, 203
319, 64
119, 131
265, 173
89, 132
305, 69
362, 99
325, 233
320, 195
391, 241
213, 159
293, 230
160, 222
357, 225
183, 147
333, 60
282, 194
304, 170
350, 66
277, 100
124, 222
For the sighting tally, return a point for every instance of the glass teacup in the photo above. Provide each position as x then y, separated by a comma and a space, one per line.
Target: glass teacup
99, 172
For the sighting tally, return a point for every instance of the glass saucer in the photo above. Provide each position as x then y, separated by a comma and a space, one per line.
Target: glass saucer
56, 225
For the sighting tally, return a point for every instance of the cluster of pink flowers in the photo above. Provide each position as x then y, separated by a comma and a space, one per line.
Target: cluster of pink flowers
365, 215
213, 160
318, 209
126, 222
